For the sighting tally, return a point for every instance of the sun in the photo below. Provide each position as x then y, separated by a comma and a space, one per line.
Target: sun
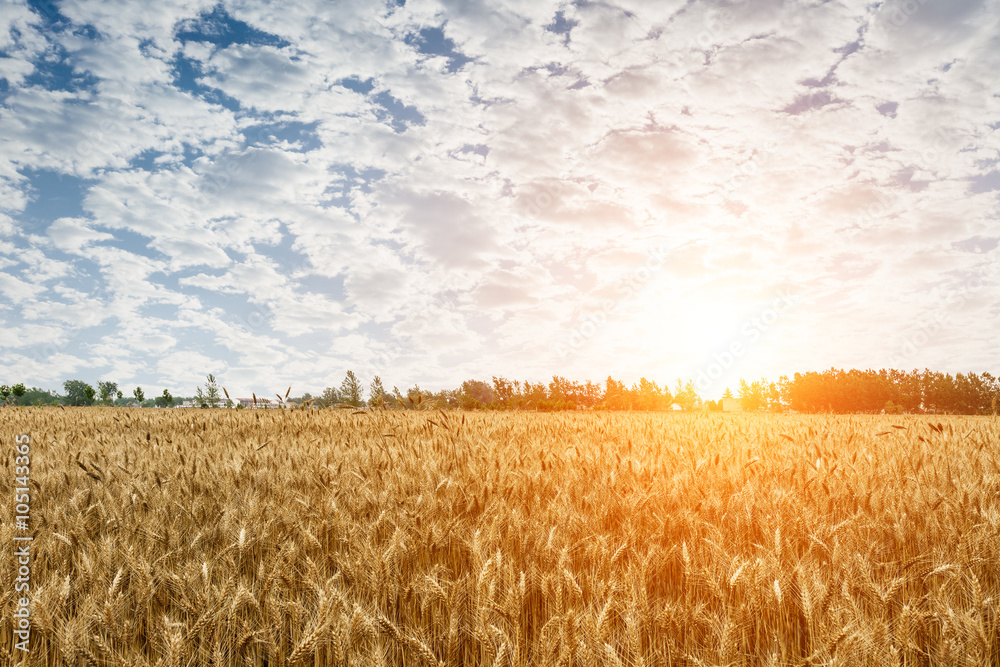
687, 328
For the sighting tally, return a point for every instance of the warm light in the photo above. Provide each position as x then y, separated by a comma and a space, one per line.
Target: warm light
687, 328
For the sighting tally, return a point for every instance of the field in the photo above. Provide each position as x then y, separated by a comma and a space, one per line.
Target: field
223, 537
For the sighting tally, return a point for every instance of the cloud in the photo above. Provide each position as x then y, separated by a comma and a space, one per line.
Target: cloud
74, 233
17, 291
444, 189
441, 227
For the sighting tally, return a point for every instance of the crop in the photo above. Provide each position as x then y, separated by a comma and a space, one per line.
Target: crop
223, 537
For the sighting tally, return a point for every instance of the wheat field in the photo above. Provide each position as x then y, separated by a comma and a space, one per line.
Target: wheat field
224, 537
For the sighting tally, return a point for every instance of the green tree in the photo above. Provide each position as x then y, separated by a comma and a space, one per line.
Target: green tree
350, 390
210, 397
503, 390
36, 396
78, 392
474, 394
165, 400
399, 398
376, 393
420, 399
107, 391
329, 397
139, 395
303, 400
11, 395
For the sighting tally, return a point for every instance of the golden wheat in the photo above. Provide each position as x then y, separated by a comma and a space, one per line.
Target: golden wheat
223, 537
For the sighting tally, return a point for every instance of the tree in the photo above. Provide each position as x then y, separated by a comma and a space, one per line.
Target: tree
329, 397
474, 394
376, 393
78, 392
165, 400
11, 395
350, 390
210, 397
36, 396
614, 394
139, 395
535, 395
302, 401
503, 390
752, 396
649, 396
685, 395
561, 393
107, 391
399, 397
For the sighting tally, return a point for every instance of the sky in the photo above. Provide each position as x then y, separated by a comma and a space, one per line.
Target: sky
438, 190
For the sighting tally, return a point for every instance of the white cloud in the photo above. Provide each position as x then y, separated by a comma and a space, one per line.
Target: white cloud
74, 233
845, 148
17, 291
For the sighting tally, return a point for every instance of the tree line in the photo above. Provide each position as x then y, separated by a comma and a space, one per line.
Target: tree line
79, 392
892, 391
833, 390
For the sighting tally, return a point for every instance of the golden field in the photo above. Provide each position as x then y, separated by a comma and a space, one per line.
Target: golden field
223, 537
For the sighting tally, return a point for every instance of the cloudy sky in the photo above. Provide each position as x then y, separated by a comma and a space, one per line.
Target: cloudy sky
440, 190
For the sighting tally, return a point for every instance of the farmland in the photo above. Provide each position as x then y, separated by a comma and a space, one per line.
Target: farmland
223, 537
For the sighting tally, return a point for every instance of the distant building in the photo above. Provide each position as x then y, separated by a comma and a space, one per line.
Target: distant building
262, 403
731, 405
247, 403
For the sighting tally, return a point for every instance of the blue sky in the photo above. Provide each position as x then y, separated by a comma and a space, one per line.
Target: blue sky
434, 191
